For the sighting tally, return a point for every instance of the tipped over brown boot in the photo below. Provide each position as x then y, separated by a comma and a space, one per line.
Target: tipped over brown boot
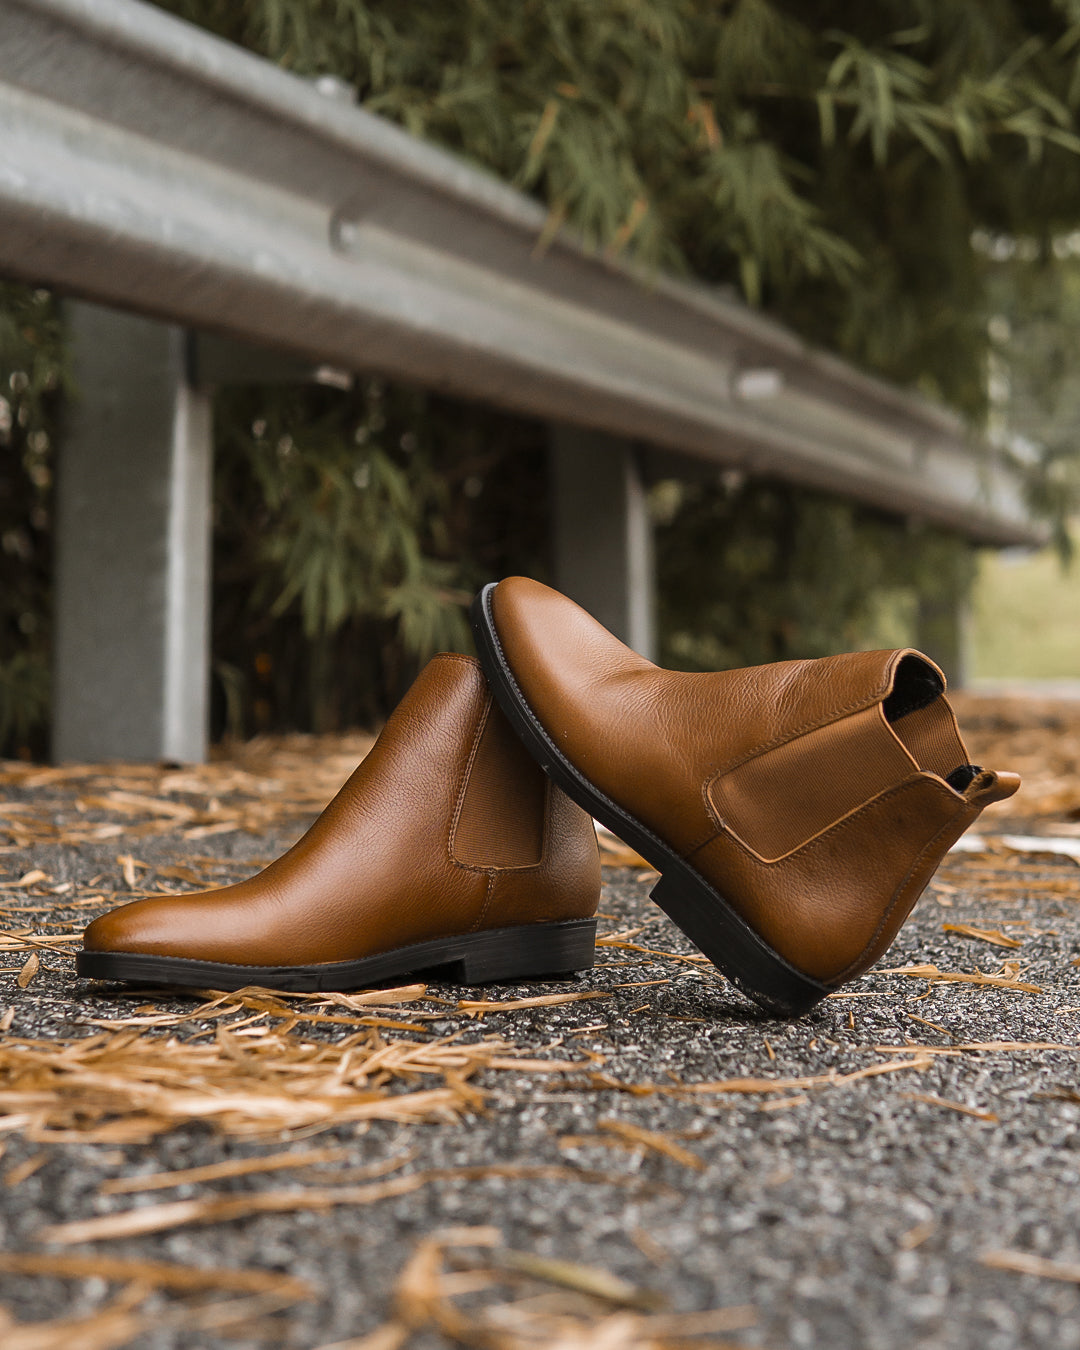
446, 850
796, 811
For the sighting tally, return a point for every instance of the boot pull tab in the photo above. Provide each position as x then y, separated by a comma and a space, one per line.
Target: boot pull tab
989, 787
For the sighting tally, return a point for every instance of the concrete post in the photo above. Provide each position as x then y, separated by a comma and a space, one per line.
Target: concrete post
601, 532
133, 535
944, 633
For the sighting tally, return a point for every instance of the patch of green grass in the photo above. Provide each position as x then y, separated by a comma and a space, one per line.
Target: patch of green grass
1026, 618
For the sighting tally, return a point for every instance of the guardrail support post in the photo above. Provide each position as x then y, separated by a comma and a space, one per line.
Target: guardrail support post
133, 546
601, 532
943, 632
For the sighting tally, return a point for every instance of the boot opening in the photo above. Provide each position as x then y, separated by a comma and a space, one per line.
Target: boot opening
916, 686
920, 716
962, 778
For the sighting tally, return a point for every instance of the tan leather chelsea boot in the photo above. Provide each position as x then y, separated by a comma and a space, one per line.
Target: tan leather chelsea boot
795, 811
447, 850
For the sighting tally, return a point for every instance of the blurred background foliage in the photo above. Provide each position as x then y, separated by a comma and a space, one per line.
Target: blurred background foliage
31, 383
351, 530
899, 182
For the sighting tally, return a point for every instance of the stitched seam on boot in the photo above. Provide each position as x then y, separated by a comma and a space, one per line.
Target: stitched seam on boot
489, 869
846, 711
545, 834
896, 900
730, 831
491, 629
720, 829
474, 750
818, 839
783, 737
487, 903
458, 656
835, 980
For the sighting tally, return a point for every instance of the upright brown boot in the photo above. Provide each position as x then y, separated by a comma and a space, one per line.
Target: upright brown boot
446, 850
796, 811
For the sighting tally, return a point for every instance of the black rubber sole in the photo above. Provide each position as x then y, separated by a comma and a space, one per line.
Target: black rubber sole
500, 954
682, 893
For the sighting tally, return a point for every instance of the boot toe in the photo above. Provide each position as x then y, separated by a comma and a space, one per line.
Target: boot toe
156, 926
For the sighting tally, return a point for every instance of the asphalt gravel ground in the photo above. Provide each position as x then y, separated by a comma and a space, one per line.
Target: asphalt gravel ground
857, 1213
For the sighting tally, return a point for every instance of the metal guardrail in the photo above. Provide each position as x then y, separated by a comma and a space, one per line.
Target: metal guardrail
151, 166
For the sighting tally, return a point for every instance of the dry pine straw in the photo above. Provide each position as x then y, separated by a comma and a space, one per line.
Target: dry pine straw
256, 1078
262, 1076
513, 1301
251, 787
464, 1283
253, 1079
1037, 738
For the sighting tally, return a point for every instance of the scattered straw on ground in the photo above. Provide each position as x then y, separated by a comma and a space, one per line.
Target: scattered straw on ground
1037, 738
251, 1080
531, 1301
250, 787
261, 1066
120, 1322
464, 1283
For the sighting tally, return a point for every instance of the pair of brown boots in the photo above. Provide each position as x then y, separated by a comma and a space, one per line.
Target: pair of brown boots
795, 812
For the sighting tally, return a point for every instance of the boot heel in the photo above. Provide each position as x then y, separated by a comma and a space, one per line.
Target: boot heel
732, 945
529, 950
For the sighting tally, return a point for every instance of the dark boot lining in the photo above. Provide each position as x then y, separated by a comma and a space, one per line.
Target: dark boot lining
962, 778
916, 686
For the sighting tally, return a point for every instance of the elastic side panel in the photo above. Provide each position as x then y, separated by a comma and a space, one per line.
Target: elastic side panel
933, 739
501, 821
780, 799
